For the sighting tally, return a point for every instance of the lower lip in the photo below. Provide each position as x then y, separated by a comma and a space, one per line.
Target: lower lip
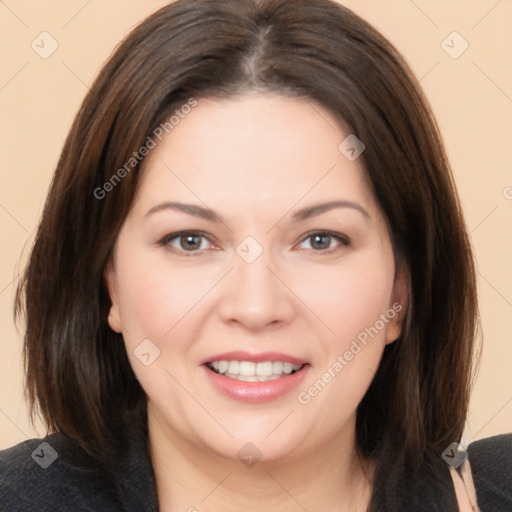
256, 392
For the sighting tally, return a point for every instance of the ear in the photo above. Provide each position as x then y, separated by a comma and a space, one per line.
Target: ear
399, 304
110, 279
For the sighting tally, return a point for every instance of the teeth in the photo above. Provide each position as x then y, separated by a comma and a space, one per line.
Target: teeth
287, 368
233, 367
277, 367
249, 371
264, 369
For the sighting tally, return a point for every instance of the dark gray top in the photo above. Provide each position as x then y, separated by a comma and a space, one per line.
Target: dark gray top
59, 476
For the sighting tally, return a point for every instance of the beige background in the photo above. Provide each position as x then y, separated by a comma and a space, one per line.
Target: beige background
471, 96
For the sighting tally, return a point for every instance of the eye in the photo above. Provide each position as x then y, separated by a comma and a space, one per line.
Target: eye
195, 241
321, 241
185, 241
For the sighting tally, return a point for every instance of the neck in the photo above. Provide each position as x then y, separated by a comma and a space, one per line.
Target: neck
195, 479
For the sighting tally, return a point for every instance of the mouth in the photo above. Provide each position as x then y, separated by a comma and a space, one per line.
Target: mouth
250, 371
254, 377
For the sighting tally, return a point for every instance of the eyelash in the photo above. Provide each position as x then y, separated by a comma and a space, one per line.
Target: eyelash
165, 241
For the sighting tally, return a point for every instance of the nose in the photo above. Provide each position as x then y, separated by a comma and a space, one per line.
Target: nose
255, 295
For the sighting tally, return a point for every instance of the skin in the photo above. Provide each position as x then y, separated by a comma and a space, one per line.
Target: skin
254, 160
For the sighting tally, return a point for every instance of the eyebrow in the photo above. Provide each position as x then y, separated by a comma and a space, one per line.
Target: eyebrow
298, 216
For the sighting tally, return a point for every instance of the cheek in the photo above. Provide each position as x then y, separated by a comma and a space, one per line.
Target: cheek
154, 296
351, 298
347, 361
159, 303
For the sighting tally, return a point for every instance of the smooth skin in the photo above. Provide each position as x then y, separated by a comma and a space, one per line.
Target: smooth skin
254, 160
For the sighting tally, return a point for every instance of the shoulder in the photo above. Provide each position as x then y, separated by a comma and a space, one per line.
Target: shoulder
492, 445
491, 468
52, 473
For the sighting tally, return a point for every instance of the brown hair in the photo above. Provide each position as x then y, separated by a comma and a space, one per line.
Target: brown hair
77, 371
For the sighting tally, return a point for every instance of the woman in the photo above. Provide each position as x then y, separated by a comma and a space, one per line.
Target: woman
252, 287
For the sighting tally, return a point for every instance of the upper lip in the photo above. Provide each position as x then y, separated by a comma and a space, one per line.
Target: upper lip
261, 357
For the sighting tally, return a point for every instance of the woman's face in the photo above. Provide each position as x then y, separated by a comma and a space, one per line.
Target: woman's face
252, 272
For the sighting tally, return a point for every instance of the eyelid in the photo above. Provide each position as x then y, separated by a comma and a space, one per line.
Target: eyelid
333, 234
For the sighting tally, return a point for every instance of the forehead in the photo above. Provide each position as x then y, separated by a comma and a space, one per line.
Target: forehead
253, 150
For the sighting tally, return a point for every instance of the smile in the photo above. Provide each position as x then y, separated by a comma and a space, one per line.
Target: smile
248, 381
249, 371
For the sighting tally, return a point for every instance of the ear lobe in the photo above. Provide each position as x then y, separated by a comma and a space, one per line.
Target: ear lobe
110, 280
399, 304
